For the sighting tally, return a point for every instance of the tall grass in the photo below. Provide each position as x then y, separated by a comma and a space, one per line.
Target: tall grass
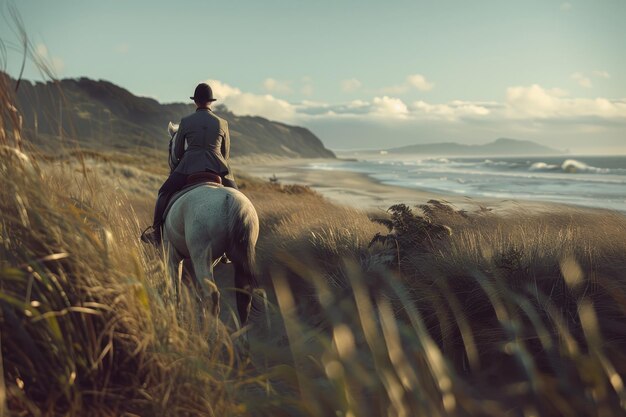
88, 321
515, 315
462, 326
446, 314
89, 324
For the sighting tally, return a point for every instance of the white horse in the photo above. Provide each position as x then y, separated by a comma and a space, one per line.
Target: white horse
202, 225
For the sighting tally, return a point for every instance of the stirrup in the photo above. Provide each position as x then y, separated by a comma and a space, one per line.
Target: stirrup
224, 259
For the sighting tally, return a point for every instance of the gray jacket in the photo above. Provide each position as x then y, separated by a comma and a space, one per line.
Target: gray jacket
203, 143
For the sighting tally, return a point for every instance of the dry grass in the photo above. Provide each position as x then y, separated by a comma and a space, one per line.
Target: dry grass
518, 315
297, 220
507, 315
88, 319
524, 305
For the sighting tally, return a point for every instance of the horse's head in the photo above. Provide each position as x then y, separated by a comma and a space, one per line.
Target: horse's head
172, 129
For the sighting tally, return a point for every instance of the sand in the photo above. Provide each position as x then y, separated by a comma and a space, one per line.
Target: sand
366, 193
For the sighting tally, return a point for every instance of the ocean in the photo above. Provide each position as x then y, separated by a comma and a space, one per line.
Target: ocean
591, 181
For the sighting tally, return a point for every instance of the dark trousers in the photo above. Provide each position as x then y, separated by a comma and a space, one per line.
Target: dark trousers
175, 182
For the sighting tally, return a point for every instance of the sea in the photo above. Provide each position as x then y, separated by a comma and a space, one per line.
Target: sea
589, 181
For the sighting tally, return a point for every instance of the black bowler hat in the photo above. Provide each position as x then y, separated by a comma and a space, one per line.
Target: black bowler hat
203, 93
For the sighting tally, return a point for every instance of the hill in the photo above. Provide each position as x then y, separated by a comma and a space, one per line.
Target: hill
102, 115
501, 146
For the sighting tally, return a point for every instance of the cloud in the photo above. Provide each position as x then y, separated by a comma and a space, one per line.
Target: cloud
419, 81
526, 106
452, 111
389, 106
261, 105
533, 103
528, 111
248, 104
581, 79
537, 102
275, 86
395, 108
601, 74
55, 63
222, 90
350, 85
584, 81
378, 107
416, 81
355, 108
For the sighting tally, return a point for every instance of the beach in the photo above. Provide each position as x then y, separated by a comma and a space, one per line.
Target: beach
362, 191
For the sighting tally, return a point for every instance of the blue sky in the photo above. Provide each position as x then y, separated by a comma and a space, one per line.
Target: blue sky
361, 72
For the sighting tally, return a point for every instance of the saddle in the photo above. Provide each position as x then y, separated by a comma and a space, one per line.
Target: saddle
202, 177
195, 180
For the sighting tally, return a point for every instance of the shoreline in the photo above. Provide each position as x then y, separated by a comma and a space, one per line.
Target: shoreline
361, 191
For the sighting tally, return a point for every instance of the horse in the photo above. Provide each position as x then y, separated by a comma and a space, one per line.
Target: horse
203, 224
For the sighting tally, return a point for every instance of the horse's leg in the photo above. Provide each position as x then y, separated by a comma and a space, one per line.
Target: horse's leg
202, 262
243, 291
242, 256
188, 278
173, 264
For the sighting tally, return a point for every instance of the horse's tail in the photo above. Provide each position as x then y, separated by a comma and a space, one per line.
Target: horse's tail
244, 232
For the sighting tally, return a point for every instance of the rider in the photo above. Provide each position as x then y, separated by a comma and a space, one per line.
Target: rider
202, 144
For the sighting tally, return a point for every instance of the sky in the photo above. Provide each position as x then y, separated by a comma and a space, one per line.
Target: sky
360, 74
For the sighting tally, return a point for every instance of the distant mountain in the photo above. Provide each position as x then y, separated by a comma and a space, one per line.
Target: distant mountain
502, 146
102, 115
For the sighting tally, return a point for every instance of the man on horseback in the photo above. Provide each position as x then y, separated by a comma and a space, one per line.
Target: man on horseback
202, 144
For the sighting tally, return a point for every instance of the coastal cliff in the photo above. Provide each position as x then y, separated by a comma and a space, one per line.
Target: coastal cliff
101, 115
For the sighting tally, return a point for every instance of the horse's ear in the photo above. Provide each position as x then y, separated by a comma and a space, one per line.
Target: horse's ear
172, 128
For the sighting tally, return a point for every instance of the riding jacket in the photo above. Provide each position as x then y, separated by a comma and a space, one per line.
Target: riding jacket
203, 143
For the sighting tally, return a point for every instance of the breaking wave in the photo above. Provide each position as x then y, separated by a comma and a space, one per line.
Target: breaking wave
573, 166
542, 166
570, 166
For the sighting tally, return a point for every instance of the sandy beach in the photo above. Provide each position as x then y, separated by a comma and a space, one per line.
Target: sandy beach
366, 193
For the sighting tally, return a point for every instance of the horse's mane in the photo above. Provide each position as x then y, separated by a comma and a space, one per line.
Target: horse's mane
172, 128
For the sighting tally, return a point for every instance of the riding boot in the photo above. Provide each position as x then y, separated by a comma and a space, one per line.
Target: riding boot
159, 208
174, 182
152, 235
